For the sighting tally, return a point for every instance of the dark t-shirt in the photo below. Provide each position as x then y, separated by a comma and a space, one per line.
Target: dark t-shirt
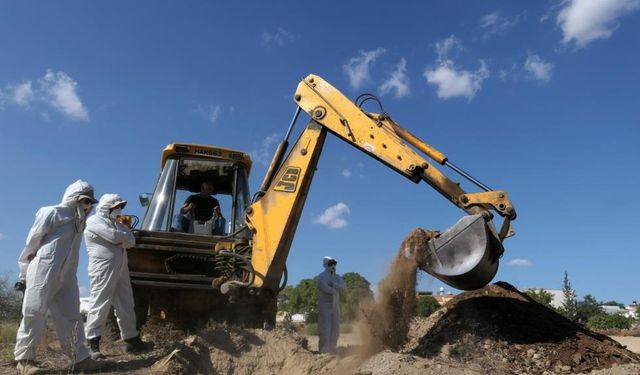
204, 206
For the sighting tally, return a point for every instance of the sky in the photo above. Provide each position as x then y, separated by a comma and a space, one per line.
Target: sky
538, 98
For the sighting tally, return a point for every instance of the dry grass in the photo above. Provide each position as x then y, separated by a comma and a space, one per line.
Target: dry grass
8, 331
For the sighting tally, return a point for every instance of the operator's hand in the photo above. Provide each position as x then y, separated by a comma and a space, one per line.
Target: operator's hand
20, 286
217, 212
191, 207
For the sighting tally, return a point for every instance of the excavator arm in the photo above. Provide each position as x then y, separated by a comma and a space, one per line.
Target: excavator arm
275, 213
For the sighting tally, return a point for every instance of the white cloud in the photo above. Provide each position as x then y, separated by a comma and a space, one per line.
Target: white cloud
60, 92
497, 24
453, 81
214, 113
519, 262
538, 68
264, 154
22, 94
398, 81
583, 21
55, 89
333, 217
276, 38
446, 46
2, 236
346, 172
357, 68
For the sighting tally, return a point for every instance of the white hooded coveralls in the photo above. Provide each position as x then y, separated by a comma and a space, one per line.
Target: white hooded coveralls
329, 287
48, 264
107, 241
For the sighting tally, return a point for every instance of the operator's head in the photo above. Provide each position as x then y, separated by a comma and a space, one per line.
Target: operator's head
329, 262
207, 188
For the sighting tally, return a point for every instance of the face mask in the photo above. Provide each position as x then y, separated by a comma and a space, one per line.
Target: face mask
115, 213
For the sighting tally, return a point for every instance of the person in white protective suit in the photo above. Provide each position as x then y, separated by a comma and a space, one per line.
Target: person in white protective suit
329, 286
107, 239
48, 266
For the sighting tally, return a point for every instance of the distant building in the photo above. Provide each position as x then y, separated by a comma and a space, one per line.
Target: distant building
299, 318
613, 310
441, 297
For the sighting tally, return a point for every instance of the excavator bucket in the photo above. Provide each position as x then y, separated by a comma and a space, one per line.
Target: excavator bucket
466, 255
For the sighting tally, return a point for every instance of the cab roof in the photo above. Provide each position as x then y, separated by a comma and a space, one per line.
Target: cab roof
206, 152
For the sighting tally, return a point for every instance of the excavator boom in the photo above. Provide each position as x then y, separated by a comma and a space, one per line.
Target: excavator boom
464, 256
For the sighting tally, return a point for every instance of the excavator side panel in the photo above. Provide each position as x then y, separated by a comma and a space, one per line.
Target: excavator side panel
277, 213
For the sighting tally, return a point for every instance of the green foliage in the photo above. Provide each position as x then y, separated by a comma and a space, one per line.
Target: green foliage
311, 329
587, 308
541, 296
356, 291
10, 301
604, 321
569, 306
426, 305
303, 298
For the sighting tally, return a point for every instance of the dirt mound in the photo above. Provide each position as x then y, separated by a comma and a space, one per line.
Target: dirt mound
505, 331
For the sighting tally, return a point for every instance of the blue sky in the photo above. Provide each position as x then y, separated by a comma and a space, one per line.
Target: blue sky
539, 98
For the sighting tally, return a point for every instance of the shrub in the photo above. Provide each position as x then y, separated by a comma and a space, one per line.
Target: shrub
426, 305
604, 321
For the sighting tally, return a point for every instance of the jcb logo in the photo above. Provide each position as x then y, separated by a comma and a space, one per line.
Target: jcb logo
289, 180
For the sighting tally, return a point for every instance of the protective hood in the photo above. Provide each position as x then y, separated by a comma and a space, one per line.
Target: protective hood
108, 201
75, 190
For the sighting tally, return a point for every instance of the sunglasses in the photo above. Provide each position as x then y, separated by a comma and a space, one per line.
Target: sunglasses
86, 201
332, 263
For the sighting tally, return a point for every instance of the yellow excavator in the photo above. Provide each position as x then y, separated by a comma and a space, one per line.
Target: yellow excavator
231, 267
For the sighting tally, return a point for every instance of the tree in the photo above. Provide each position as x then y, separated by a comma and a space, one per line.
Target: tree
569, 306
303, 298
426, 305
10, 300
587, 308
357, 289
541, 296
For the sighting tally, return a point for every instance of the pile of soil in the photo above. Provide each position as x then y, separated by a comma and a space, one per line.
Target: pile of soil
504, 331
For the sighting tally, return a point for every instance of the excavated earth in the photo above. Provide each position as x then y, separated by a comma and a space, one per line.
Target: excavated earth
493, 330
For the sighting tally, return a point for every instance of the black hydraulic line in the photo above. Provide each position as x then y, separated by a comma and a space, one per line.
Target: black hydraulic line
285, 280
277, 158
467, 176
293, 121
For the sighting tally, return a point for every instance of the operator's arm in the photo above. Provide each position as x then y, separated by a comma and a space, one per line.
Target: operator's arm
41, 226
188, 205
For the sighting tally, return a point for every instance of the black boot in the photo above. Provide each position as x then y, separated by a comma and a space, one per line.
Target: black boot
135, 345
94, 348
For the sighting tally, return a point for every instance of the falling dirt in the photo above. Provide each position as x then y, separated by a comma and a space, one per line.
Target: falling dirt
384, 323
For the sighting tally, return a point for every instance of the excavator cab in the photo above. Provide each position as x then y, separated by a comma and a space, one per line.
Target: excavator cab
183, 175
174, 263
